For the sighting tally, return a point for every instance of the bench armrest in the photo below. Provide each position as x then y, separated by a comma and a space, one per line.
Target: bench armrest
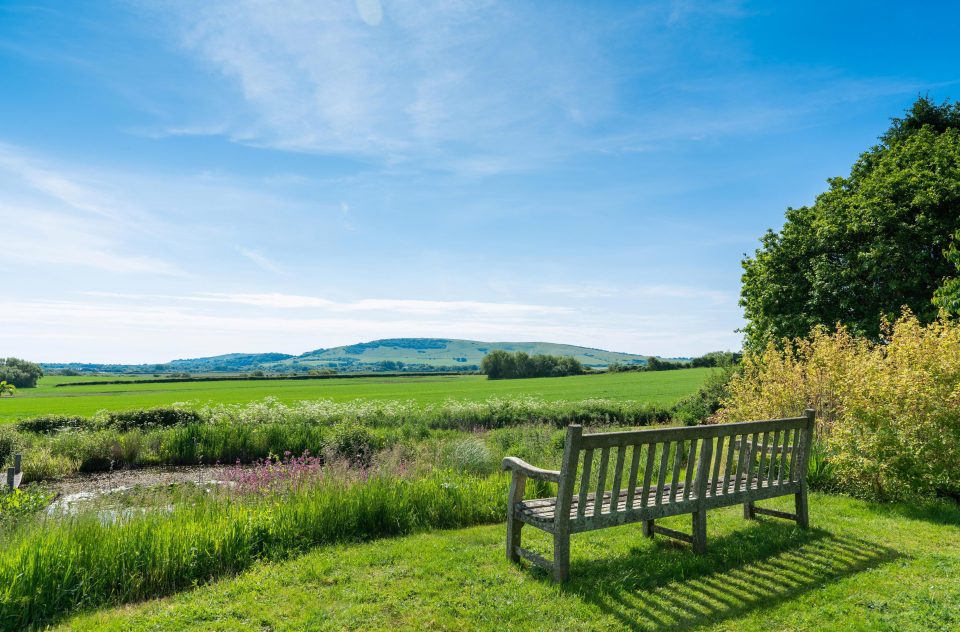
521, 466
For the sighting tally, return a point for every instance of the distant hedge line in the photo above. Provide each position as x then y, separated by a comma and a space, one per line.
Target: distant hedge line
255, 378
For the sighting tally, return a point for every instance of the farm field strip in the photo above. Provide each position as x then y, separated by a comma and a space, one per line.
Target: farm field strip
663, 388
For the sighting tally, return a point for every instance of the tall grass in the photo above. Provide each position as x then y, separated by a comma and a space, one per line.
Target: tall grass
246, 432
82, 562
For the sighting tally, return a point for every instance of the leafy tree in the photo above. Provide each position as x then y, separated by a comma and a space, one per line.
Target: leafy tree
657, 364
870, 245
20, 373
503, 365
715, 359
6, 387
947, 296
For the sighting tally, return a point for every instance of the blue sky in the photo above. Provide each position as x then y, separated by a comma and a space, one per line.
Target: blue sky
180, 179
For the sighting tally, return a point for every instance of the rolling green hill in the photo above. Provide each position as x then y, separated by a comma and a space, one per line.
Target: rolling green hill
391, 354
433, 353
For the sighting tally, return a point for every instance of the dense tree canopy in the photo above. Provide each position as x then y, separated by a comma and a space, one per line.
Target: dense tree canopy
503, 365
874, 242
20, 373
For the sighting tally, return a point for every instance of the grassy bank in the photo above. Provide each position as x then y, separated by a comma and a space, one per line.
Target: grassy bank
863, 566
657, 388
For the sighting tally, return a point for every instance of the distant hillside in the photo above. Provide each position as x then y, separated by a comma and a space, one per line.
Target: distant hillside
228, 363
433, 353
392, 354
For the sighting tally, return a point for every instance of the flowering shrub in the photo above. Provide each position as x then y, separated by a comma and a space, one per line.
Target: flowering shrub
274, 473
889, 412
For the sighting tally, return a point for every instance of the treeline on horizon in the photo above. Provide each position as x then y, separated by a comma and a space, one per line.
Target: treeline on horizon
707, 360
505, 365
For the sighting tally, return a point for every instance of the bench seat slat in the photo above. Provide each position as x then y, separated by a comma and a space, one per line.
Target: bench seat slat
544, 508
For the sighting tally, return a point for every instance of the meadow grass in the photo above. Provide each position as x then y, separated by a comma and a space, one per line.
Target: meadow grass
57, 446
659, 388
52, 567
863, 566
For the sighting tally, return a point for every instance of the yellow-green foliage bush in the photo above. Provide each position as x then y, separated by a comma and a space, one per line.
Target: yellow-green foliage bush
889, 411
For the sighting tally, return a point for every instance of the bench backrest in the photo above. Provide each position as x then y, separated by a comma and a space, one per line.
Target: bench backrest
676, 470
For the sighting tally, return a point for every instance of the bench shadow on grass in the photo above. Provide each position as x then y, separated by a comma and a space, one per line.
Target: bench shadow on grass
667, 587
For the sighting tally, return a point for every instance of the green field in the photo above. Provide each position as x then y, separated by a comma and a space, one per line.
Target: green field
664, 388
863, 566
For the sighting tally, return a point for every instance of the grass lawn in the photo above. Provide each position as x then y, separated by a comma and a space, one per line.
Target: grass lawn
862, 566
665, 387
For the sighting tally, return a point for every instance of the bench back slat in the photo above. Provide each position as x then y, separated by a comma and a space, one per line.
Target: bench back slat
752, 482
677, 458
794, 457
763, 458
741, 459
634, 473
584, 483
617, 479
716, 465
601, 481
691, 466
662, 477
729, 469
648, 474
783, 455
773, 459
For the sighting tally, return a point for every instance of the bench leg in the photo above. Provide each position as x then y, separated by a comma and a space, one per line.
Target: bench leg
700, 531
513, 538
748, 513
800, 501
561, 556
518, 484
647, 526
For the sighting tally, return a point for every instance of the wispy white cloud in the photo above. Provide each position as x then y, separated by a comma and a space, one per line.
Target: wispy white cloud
483, 87
402, 79
262, 260
51, 216
280, 301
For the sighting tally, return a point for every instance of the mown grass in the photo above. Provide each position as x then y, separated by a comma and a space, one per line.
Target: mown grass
661, 388
862, 566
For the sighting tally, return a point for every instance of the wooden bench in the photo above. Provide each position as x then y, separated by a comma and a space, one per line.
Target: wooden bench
615, 478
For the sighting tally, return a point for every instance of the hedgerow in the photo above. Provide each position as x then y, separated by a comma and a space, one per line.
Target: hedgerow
889, 411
